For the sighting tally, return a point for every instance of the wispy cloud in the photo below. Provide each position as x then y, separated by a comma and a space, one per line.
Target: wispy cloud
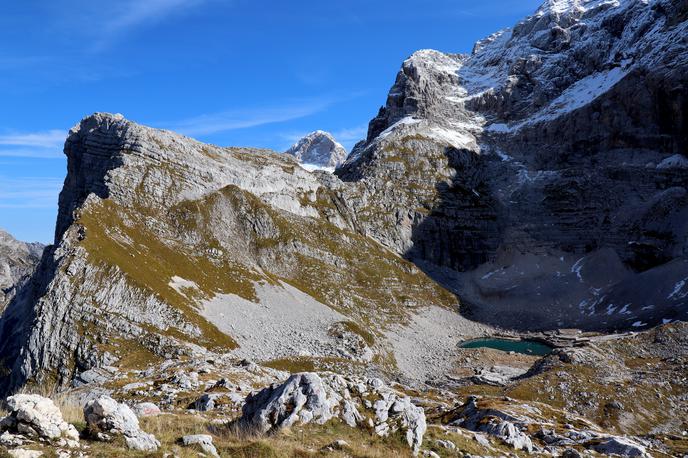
29, 192
352, 134
46, 139
242, 119
124, 16
44, 144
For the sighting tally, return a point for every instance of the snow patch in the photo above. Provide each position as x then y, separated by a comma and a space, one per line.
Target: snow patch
454, 138
677, 292
624, 309
313, 167
179, 284
576, 96
677, 161
577, 268
570, 6
408, 120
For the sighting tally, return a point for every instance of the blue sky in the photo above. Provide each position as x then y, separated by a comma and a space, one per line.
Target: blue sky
231, 72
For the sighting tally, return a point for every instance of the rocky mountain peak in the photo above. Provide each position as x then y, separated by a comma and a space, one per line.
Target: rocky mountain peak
17, 261
319, 149
572, 6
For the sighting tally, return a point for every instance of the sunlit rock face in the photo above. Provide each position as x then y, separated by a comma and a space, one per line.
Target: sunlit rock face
318, 150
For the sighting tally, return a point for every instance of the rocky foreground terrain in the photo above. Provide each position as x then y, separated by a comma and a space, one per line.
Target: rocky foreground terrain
227, 301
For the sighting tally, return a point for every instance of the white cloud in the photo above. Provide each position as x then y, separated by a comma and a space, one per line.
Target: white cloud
46, 139
45, 144
353, 134
29, 192
138, 12
124, 16
242, 119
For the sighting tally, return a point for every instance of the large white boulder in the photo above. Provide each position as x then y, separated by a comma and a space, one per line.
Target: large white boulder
112, 417
39, 417
313, 398
303, 398
203, 441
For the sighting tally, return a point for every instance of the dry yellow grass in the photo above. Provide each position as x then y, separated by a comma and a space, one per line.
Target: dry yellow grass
72, 412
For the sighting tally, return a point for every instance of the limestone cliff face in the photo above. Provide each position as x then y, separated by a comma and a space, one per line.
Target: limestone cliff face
17, 262
154, 226
556, 144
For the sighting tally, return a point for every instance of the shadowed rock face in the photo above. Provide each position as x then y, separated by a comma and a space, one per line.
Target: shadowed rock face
319, 149
17, 262
556, 140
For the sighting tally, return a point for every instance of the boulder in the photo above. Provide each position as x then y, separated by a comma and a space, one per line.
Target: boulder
146, 409
23, 453
8, 440
203, 441
620, 446
407, 416
214, 401
479, 418
110, 417
35, 416
313, 398
508, 433
303, 398
449, 445
339, 444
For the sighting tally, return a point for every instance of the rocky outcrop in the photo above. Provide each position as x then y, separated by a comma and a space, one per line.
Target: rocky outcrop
319, 149
17, 262
309, 397
494, 422
620, 446
107, 417
36, 417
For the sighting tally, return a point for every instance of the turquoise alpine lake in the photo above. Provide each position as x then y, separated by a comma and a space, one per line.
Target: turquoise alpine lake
527, 347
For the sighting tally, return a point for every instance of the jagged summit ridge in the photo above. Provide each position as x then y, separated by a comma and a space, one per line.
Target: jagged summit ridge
573, 6
319, 149
17, 261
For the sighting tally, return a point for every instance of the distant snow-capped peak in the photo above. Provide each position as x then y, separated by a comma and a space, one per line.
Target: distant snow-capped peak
319, 149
